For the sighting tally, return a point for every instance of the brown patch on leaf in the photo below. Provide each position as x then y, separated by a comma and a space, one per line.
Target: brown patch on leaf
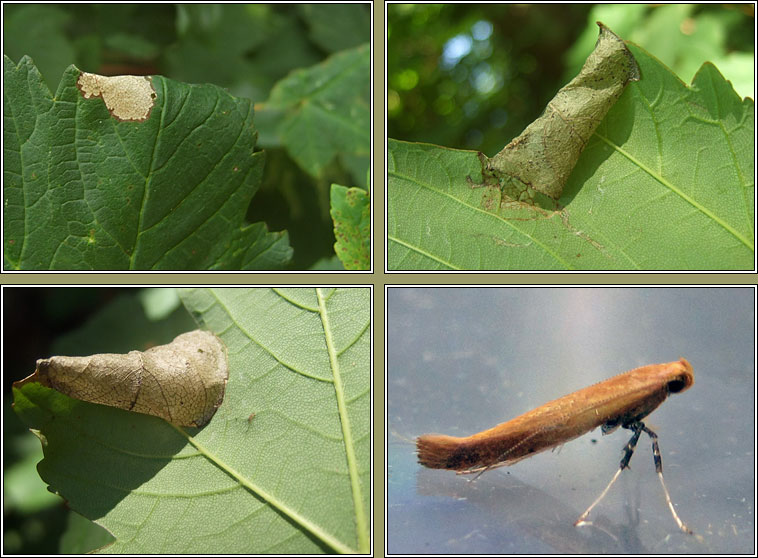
128, 98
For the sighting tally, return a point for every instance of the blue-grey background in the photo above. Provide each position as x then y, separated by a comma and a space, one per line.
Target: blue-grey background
460, 360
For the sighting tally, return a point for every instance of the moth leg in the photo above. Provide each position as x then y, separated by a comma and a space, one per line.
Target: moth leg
638, 428
628, 451
632, 443
659, 470
483, 470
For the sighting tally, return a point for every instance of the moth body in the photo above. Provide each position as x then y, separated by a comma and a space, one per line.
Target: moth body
618, 401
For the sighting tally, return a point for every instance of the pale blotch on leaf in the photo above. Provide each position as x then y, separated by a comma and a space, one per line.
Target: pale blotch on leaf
543, 156
182, 382
128, 98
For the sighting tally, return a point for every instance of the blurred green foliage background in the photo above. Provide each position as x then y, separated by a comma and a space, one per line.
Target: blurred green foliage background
54, 320
473, 76
245, 48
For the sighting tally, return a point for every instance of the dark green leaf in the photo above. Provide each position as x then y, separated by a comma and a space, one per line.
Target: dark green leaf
326, 110
85, 190
337, 26
351, 213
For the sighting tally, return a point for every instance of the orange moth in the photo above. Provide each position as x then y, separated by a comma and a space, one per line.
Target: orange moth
623, 400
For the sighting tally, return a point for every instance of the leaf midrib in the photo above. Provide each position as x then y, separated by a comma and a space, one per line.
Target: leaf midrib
270, 499
347, 435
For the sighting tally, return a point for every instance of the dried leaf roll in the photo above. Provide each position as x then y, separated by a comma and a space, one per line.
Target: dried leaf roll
182, 382
543, 156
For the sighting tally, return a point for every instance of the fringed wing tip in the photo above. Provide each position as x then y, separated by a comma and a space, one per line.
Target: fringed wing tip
435, 450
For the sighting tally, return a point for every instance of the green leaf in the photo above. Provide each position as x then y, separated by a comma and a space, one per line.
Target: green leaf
82, 536
337, 26
85, 190
351, 213
284, 465
39, 29
209, 33
666, 182
326, 110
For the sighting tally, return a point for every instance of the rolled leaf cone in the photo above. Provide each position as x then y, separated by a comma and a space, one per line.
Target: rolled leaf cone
182, 382
545, 153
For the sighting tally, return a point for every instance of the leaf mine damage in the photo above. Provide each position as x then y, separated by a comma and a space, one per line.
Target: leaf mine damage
128, 98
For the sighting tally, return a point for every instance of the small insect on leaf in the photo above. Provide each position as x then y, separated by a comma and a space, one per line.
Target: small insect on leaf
182, 382
250, 421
